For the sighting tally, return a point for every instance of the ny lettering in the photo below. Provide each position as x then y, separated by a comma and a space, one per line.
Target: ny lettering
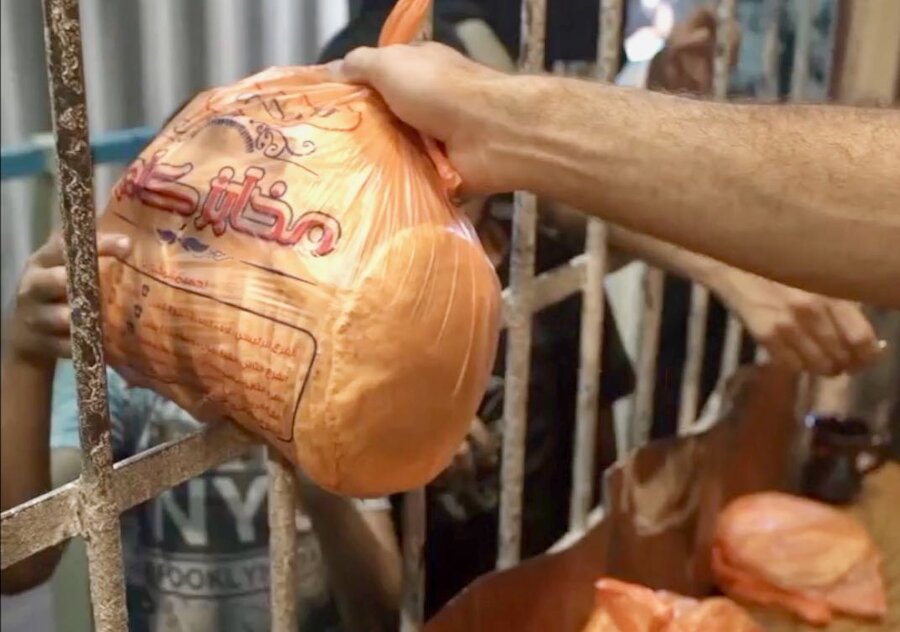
191, 522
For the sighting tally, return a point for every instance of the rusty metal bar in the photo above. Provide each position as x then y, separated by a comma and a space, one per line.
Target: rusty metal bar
642, 413
62, 35
696, 333
142, 476
412, 606
54, 517
38, 524
518, 356
591, 338
282, 543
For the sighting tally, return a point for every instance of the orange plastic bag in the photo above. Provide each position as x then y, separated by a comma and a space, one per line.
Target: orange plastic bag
624, 607
299, 268
800, 555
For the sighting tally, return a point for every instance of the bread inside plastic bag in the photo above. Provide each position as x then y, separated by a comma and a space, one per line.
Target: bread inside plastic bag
299, 268
798, 555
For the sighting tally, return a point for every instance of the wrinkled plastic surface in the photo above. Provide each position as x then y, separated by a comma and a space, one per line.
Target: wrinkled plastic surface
624, 607
799, 555
299, 268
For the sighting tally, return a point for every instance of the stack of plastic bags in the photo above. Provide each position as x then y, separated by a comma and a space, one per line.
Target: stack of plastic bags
623, 607
799, 555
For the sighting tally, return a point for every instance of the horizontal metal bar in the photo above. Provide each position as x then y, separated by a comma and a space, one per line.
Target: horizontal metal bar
40, 523
23, 161
551, 287
54, 517
139, 478
36, 157
121, 146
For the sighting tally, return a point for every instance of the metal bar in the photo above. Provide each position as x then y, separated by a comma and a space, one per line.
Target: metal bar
552, 286
591, 337
803, 10
696, 332
725, 13
38, 524
142, 476
53, 517
282, 543
515, 408
689, 400
770, 86
731, 350
413, 517
412, 606
642, 413
36, 157
62, 34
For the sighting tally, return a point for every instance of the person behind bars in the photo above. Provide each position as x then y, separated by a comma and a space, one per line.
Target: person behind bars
464, 502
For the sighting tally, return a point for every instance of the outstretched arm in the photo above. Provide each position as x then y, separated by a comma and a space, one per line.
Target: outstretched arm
807, 195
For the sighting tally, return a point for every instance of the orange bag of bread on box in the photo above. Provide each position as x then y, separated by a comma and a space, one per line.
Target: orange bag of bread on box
625, 607
798, 555
299, 268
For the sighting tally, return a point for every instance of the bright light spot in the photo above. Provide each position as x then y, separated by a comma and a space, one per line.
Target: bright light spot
664, 19
643, 44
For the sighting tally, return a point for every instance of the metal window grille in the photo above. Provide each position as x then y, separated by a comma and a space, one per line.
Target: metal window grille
90, 507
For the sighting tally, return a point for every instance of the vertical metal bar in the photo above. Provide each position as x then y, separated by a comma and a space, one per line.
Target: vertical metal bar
689, 399
731, 350
803, 13
696, 334
584, 463
282, 543
770, 87
642, 413
725, 13
515, 408
62, 34
413, 517
412, 607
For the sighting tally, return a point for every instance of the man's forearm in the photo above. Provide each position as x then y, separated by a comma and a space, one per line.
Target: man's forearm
743, 184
